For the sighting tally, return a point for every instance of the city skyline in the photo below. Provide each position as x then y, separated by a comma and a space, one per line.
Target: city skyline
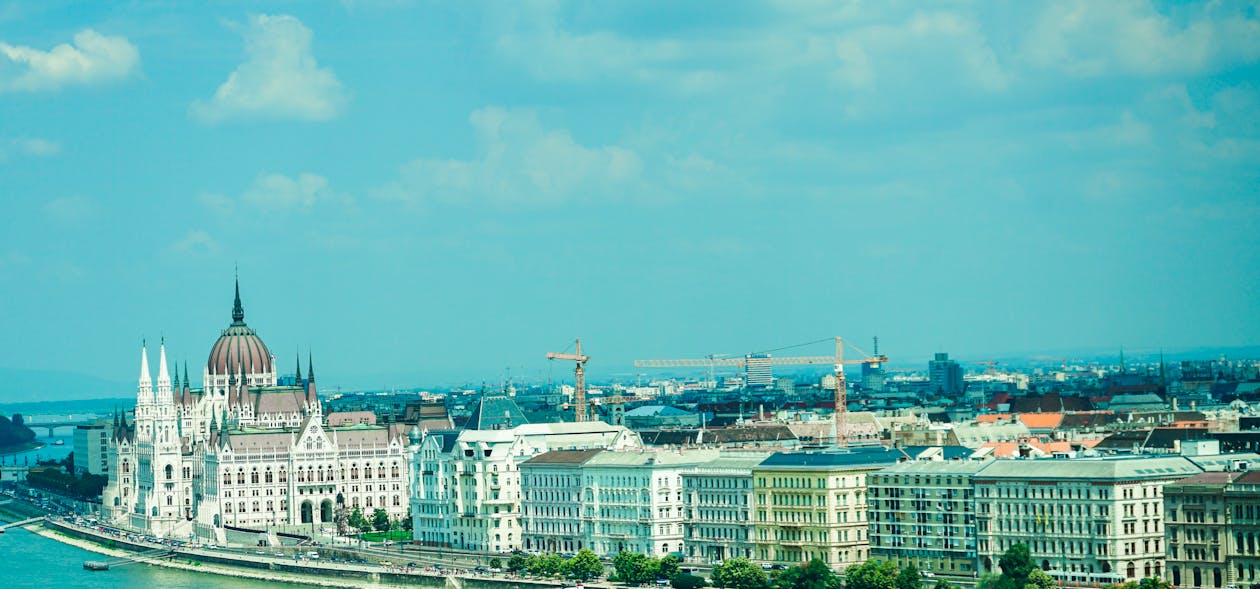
415, 191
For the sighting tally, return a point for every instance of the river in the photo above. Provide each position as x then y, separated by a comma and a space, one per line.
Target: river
31, 560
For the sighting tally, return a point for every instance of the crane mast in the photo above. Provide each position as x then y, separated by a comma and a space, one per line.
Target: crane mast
579, 378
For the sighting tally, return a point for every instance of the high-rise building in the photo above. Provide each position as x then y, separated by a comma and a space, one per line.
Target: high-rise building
757, 371
91, 448
946, 375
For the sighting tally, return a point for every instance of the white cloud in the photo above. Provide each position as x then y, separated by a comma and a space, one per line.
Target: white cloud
1088, 39
276, 192
280, 192
35, 147
196, 241
279, 78
91, 59
70, 209
518, 162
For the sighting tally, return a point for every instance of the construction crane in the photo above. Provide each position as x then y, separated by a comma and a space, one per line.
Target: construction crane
579, 378
837, 360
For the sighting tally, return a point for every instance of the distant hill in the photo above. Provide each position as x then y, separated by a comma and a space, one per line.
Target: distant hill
17, 386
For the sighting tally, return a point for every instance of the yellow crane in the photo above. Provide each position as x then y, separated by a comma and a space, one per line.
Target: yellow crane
579, 378
711, 361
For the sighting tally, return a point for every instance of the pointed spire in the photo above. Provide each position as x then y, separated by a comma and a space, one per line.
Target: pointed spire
145, 388
310, 367
238, 312
186, 387
164, 376
297, 373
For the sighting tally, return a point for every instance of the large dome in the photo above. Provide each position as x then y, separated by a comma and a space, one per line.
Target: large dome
239, 349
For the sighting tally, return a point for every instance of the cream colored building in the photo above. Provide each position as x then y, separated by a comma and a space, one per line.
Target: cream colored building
814, 505
1213, 530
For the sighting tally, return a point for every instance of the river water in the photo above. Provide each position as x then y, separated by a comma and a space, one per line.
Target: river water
30, 561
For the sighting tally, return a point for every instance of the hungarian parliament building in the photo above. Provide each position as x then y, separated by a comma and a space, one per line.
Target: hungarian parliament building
245, 453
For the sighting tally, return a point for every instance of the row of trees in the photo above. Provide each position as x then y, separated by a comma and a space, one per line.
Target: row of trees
1019, 572
51, 478
583, 566
354, 519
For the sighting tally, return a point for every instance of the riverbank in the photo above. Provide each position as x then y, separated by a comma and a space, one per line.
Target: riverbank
261, 566
194, 566
30, 446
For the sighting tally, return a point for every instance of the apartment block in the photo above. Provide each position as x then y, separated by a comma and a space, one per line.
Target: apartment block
922, 513
813, 505
717, 501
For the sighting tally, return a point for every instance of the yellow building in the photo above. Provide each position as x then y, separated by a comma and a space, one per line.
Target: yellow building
811, 505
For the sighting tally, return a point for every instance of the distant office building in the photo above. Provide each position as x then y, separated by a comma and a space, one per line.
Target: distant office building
91, 448
873, 376
757, 371
946, 375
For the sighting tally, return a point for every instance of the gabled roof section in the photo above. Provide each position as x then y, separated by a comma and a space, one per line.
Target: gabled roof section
495, 411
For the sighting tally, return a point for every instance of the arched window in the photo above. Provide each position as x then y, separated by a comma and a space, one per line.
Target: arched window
253, 477
394, 472
284, 476
240, 477
227, 507
270, 506
227, 478
170, 472
267, 476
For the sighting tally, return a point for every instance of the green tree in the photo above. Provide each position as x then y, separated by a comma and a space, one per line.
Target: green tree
991, 581
633, 567
1039, 579
584, 566
496, 563
1016, 564
813, 575
943, 584
872, 574
740, 573
686, 581
668, 567
517, 563
380, 520
1154, 583
356, 520
341, 518
551, 565
909, 578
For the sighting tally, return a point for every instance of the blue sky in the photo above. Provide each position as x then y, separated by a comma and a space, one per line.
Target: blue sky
428, 192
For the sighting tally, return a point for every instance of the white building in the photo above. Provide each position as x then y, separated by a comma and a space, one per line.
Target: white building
91, 448
244, 452
633, 501
467, 487
717, 501
1096, 515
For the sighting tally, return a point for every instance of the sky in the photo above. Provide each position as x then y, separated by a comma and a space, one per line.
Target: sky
424, 192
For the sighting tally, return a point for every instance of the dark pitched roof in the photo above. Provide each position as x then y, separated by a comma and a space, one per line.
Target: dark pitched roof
873, 457
563, 457
1049, 403
1087, 420
495, 412
1164, 437
669, 437
1123, 440
1207, 478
